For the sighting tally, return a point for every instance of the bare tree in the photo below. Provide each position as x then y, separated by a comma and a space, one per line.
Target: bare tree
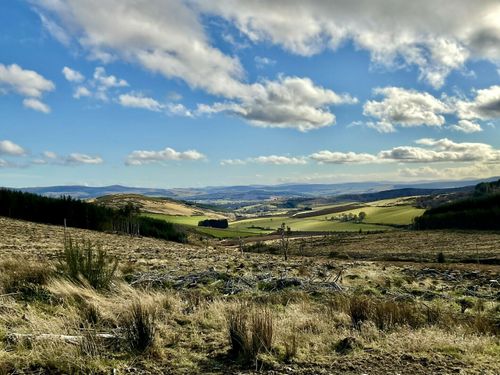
285, 233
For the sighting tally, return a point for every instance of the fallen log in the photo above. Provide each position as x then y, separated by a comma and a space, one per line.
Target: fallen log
70, 339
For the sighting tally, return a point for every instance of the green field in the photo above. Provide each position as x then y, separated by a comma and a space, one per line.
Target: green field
310, 224
177, 219
396, 215
192, 221
378, 217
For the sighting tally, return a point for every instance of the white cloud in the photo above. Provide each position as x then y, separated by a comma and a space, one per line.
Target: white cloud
269, 159
466, 126
280, 160
261, 61
24, 82
396, 34
406, 108
178, 110
442, 150
429, 151
77, 158
107, 81
233, 162
49, 154
10, 148
167, 37
137, 101
36, 105
27, 83
147, 157
289, 102
468, 171
55, 30
81, 91
329, 157
484, 106
72, 75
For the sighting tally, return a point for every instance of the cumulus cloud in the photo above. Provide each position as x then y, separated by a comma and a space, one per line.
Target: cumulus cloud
442, 150
466, 126
77, 158
105, 81
280, 160
36, 105
469, 171
484, 106
73, 159
269, 159
72, 75
81, 91
137, 101
289, 102
168, 38
97, 87
428, 150
168, 154
27, 83
10, 148
396, 34
405, 108
329, 157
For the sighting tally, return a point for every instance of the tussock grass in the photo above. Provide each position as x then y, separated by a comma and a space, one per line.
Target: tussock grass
251, 332
140, 327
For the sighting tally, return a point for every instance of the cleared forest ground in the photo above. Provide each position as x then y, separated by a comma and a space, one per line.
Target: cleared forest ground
321, 308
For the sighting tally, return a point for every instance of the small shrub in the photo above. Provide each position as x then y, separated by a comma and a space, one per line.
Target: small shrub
140, 327
441, 258
89, 263
250, 333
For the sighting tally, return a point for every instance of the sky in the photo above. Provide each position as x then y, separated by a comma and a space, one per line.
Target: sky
173, 93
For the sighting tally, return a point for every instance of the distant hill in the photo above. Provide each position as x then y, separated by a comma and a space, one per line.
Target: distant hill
165, 206
249, 193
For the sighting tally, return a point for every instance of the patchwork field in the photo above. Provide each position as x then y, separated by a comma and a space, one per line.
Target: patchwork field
311, 314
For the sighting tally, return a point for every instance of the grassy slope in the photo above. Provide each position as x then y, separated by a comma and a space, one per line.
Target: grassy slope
380, 215
388, 215
192, 221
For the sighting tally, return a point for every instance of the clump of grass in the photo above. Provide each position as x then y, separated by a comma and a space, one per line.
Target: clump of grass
25, 279
88, 263
250, 333
291, 348
140, 327
359, 310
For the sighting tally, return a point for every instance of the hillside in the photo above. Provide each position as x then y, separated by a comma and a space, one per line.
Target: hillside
332, 308
254, 192
155, 205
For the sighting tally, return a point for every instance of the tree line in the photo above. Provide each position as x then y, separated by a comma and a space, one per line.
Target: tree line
80, 214
477, 212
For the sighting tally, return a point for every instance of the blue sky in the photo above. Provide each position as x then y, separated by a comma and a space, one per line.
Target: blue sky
178, 93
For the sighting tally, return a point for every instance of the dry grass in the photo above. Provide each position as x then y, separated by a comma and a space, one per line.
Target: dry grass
395, 317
